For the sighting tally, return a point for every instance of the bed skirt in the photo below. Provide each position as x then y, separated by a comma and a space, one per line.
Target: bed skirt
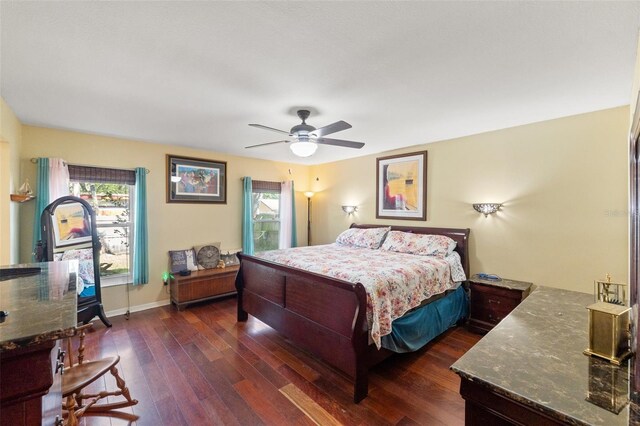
417, 328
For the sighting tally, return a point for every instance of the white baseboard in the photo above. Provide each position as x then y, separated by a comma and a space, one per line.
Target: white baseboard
138, 308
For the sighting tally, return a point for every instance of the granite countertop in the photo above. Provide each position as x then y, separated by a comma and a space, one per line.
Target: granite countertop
41, 307
534, 356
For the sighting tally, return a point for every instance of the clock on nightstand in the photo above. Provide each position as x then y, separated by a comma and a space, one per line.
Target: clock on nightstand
491, 301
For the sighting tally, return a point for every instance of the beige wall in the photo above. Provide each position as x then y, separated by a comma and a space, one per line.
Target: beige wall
635, 89
171, 226
10, 149
563, 184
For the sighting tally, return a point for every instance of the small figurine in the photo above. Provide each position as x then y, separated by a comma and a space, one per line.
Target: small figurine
221, 264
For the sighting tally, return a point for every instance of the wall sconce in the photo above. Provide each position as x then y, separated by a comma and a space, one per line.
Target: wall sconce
350, 209
487, 208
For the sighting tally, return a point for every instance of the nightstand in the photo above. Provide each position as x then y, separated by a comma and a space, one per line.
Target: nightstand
493, 300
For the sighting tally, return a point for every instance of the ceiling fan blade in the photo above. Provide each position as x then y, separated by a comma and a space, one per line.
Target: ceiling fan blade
340, 142
331, 128
260, 126
268, 143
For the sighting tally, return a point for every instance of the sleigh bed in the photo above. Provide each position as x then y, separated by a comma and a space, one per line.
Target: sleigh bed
328, 316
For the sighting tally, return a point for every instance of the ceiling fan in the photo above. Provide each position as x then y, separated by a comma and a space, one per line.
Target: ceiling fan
305, 139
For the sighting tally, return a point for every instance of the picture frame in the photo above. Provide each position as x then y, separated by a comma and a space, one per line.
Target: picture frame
196, 180
401, 186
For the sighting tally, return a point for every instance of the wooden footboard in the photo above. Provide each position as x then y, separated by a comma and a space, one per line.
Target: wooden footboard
324, 315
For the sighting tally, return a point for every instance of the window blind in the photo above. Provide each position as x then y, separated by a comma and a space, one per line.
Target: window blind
266, 186
101, 175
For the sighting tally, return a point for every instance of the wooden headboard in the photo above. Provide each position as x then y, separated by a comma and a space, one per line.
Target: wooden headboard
459, 235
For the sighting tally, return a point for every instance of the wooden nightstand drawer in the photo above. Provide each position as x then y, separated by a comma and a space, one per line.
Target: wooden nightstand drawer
483, 304
491, 301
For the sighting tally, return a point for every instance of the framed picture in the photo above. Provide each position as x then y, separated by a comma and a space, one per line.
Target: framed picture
71, 225
401, 186
196, 180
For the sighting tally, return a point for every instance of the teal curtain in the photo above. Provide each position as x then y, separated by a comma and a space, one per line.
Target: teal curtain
42, 197
247, 217
140, 234
294, 232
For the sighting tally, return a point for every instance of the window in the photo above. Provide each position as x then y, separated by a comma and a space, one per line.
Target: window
266, 215
110, 192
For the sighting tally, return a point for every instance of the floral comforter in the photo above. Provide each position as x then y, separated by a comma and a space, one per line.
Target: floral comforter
395, 282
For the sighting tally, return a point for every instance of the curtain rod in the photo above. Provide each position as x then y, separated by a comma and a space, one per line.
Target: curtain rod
35, 161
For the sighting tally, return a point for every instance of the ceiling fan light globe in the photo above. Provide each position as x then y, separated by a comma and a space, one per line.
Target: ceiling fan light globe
303, 149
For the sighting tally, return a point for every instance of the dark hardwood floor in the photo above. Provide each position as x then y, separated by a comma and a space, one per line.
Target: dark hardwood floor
201, 367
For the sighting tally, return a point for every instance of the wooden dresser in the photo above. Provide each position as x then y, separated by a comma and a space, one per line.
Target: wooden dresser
203, 285
531, 369
491, 301
42, 309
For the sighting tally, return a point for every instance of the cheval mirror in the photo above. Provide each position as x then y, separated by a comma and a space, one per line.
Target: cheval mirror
69, 232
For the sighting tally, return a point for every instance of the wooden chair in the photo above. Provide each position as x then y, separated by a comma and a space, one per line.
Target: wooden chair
81, 374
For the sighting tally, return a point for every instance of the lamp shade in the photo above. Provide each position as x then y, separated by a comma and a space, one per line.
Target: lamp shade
303, 149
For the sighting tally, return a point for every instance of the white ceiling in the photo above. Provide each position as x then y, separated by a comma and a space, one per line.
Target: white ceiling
402, 73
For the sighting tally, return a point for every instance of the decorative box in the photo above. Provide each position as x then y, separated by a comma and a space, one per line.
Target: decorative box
609, 331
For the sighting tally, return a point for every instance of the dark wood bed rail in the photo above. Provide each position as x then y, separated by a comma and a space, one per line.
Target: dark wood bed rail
321, 314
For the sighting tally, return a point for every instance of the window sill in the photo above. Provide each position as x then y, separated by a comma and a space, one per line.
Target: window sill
115, 280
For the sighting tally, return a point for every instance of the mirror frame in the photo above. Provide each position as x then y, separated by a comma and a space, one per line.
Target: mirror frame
88, 307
